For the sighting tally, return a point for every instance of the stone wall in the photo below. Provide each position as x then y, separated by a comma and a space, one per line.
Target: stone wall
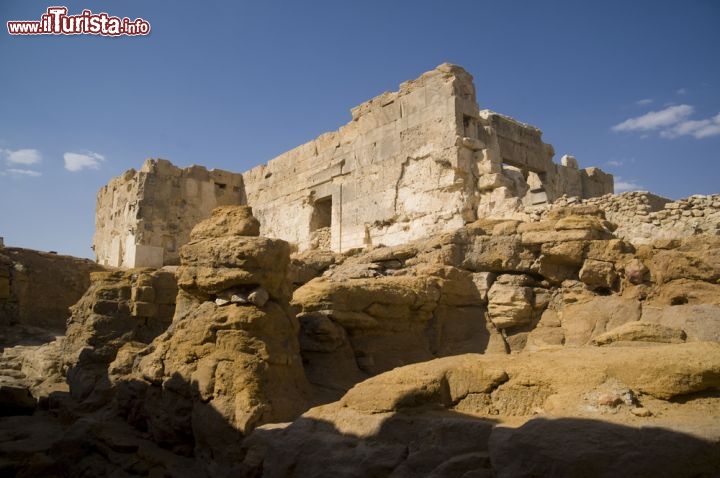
412, 163
143, 217
642, 217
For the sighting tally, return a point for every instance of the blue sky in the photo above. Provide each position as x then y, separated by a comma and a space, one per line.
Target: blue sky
632, 87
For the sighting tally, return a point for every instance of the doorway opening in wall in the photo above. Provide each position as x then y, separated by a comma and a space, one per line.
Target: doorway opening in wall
320, 223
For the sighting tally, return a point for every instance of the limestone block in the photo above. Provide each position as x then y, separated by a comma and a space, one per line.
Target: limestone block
472, 143
144, 309
227, 221
143, 294
544, 337
556, 272
492, 181
567, 253
701, 322
509, 305
598, 274
539, 237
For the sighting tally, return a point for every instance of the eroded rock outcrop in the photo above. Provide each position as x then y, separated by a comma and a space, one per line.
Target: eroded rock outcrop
120, 309
230, 359
504, 285
37, 288
466, 415
433, 358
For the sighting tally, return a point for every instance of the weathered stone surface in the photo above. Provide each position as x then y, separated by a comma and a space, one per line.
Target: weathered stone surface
16, 400
598, 274
510, 305
37, 288
367, 431
700, 322
230, 359
143, 217
584, 321
641, 332
227, 221
636, 272
216, 264
695, 258
107, 317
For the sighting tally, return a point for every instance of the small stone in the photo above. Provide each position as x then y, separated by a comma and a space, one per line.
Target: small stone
221, 302
641, 412
609, 400
258, 297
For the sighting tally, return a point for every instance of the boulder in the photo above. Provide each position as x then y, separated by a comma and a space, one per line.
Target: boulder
598, 274
510, 305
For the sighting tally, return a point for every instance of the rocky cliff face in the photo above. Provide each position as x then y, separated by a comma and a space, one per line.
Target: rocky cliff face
505, 348
38, 288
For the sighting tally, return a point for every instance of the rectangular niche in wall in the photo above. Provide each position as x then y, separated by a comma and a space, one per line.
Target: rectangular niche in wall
322, 214
320, 223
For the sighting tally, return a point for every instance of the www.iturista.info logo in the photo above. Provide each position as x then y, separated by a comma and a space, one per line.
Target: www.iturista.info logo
57, 22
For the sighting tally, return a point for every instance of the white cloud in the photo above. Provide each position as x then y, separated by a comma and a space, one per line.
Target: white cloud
22, 156
22, 172
622, 186
617, 164
681, 91
79, 161
656, 119
696, 128
644, 101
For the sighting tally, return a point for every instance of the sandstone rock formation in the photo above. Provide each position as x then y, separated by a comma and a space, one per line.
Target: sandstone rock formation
534, 414
37, 288
435, 358
230, 359
121, 309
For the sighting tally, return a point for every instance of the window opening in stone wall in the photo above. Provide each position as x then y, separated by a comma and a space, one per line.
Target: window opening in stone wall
320, 223
220, 185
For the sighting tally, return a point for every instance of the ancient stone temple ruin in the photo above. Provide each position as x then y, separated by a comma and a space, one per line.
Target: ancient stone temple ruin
143, 217
411, 163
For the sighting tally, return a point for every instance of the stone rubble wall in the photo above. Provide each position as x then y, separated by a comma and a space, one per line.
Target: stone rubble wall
642, 217
143, 217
